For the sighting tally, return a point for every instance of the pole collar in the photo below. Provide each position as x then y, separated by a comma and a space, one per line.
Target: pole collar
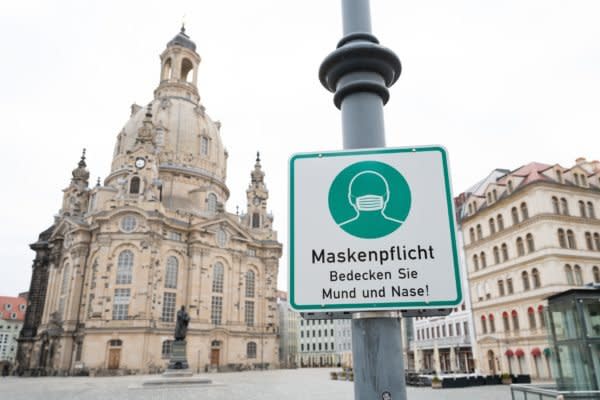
359, 52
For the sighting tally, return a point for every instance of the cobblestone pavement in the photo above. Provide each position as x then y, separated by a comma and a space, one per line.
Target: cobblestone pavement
301, 384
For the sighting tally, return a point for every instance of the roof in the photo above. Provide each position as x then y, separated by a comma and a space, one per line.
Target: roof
532, 172
11, 306
582, 291
183, 40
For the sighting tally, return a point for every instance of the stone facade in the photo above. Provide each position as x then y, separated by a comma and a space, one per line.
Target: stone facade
528, 234
123, 256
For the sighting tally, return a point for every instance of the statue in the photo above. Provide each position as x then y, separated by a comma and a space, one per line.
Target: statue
183, 319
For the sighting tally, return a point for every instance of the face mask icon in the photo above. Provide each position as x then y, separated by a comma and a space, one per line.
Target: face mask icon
368, 194
369, 202
369, 199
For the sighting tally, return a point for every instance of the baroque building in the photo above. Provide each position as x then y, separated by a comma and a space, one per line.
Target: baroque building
124, 255
528, 234
12, 313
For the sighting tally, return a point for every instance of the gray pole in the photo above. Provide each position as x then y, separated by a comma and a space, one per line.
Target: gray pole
359, 72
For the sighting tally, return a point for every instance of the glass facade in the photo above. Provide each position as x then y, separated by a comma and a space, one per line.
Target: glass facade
574, 318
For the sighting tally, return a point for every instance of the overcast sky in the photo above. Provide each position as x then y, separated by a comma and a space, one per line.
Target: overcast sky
499, 83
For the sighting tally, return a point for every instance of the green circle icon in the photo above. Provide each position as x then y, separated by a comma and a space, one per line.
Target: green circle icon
369, 199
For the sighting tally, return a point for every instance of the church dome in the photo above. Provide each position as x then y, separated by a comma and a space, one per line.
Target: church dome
185, 140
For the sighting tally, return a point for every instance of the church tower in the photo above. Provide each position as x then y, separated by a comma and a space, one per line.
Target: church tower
153, 236
256, 217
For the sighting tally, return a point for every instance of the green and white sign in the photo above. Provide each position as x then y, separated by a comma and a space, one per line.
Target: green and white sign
372, 230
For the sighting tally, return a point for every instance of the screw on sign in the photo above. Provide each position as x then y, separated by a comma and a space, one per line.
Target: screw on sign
386, 396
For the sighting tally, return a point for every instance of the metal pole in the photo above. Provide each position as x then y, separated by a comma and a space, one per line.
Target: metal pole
359, 71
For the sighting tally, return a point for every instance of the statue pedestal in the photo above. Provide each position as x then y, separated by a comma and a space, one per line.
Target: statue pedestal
178, 372
178, 359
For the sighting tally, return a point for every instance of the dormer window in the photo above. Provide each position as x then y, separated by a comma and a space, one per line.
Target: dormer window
510, 186
559, 176
203, 146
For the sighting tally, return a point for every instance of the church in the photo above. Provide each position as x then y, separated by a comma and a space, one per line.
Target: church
123, 255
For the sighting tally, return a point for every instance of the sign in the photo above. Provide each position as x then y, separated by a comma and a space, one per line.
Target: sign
372, 230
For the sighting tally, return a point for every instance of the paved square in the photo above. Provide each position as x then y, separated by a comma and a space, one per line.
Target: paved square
300, 384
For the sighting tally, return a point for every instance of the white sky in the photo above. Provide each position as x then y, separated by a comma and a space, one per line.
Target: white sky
499, 83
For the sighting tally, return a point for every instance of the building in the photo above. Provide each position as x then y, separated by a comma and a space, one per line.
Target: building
317, 343
12, 314
528, 233
342, 329
124, 255
289, 324
443, 344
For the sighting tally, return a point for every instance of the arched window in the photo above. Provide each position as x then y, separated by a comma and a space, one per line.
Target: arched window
495, 194
489, 197
483, 324
582, 209
505, 321
134, 185
510, 187
520, 247
218, 278
167, 349
525, 278
515, 215
576, 176
555, 205
64, 285
250, 279
569, 274
562, 239
255, 220
496, 255
596, 274
590, 208
597, 241
492, 323
251, 350
211, 202
531, 316
530, 243
500, 222
564, 205
125, 267
535, 277
588, 241
492, 226
482, 259
515, 320
504, 252
524, 211
171, 272
167, 69
470, 209
559, 176
571, 239
476, 262
479, 232
472, 234
541, 314
186, 68
578, 275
